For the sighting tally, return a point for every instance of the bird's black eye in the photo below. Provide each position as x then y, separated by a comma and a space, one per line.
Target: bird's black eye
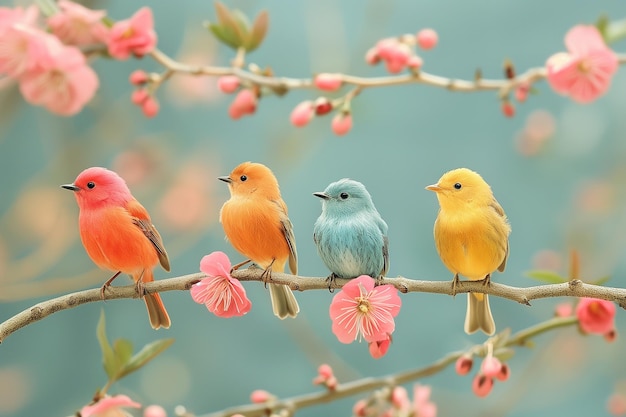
243, 178
458, 185
343, 196
91, 184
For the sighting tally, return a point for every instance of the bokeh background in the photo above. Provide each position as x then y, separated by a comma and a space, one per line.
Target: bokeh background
556, 167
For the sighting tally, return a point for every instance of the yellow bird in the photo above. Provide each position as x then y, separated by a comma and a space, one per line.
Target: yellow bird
472, 237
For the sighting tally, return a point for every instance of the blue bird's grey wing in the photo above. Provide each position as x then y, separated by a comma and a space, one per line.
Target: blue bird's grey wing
385, 256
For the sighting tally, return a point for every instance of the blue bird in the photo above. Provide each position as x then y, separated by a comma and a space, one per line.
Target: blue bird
350, 234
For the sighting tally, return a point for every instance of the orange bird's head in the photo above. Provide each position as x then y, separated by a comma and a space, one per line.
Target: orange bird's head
461, 187
252, 179
96, 187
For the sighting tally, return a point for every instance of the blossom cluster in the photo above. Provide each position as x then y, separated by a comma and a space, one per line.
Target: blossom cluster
46, 55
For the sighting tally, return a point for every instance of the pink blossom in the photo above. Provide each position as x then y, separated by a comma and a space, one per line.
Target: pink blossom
341, 123
223, 295
360, 408
396, 54
491, 366
245, 102
22, 47
507, 108
154, 411
328, 82
415, 62
361, 310
521, 92
325, 376
108, 407
78, 25
322, 106
464, 364
504, 373
139, 96
379, 348
138, 77
584, 72
228, 84
564, 310
616, 404
482, 385
62, 81
595, 315
261, 396
150, 107
400, 398
372, 57
427, 38
422, 406
302, 114
11, 16
132, 36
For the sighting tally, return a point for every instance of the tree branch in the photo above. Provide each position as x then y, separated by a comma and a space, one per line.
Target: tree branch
574, 288
389, 381
503, 86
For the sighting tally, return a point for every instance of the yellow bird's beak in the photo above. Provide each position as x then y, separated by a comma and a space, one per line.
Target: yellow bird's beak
435, 187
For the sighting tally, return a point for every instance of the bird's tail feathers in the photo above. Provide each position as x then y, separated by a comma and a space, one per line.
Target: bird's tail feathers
156, 310
284, 303
478, 316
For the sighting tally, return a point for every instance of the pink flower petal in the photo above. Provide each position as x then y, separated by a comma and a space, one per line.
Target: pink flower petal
585, 72
108, 403
595, 315
216, 264
582, 39
361, 310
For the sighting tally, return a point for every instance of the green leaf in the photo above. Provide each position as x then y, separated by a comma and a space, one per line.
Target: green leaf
223, 13
602, 24
615, 31
601, 280
258, 32
548, 277
47, 7
123, 349
223, 34
109, 361
145, 355
230, 23
504, 354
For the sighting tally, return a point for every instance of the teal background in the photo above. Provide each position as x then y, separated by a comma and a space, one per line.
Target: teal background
569, 195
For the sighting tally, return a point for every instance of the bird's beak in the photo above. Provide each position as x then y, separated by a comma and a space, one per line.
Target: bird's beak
225, 179
435, 187
70, 187
323, 196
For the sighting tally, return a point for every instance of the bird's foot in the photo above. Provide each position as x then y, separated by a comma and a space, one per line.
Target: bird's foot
487, 280
140, 289
455, 282
380, 280
239, 265
107, 284
330, 280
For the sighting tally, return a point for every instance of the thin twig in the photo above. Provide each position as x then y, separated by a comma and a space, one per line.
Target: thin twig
575, 288
503, 86
363, 385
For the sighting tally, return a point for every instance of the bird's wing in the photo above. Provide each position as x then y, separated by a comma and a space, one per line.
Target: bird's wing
385, 256
141, 218
289, 236
498, 209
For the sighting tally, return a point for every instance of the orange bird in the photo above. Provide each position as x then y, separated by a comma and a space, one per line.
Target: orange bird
472, 237
256, 224
117, 234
